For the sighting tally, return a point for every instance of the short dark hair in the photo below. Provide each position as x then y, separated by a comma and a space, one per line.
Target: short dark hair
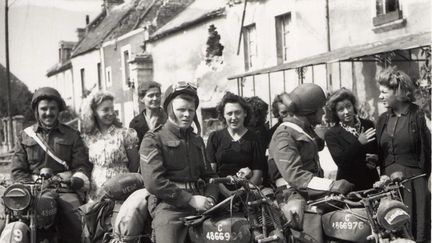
259, 110
232, 98
146, 86
399, 82
338, 96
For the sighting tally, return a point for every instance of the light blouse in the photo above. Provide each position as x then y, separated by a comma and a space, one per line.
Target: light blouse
107, 153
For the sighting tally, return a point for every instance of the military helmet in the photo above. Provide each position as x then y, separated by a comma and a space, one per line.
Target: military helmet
178, 88
47, 93
307, 98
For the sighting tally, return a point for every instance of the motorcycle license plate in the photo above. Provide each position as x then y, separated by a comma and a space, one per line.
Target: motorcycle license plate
226, 229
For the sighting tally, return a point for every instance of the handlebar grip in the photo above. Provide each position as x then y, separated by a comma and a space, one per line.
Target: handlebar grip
352, 203
269, 239
223, 180
257, 202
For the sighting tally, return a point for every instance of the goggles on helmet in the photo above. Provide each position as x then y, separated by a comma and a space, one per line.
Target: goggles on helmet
182, 85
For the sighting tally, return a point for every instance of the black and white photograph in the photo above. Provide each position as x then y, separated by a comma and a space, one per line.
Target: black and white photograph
201, 121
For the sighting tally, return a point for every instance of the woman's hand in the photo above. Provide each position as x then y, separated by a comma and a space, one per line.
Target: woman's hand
367, 136
371, 161
244, 173
201, 203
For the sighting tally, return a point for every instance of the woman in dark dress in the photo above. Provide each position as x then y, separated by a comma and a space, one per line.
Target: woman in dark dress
351, 141
235, 150
405, 145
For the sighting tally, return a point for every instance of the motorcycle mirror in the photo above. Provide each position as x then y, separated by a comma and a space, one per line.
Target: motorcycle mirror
397, 176
46, 173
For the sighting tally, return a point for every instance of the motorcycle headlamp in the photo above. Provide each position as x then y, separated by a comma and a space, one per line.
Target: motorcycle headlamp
392, 214
17, 197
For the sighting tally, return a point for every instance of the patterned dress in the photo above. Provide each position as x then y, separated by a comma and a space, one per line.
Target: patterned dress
107, 152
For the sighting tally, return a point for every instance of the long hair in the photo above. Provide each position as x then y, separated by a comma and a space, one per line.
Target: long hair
399, 82
88, 112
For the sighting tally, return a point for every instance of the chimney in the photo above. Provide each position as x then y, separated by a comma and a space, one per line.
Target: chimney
65, 50
81, 33
87, 19
109, 4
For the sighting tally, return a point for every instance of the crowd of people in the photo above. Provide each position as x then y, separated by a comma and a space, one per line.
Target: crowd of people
163, 143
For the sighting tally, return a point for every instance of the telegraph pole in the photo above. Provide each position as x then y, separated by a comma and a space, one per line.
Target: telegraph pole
8, 81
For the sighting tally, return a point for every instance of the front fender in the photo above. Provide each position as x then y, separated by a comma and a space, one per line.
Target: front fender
16, 232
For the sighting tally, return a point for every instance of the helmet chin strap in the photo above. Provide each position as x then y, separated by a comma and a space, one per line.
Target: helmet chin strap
173, 118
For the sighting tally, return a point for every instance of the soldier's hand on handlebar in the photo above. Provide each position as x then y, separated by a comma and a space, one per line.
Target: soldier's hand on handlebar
201, 203
341, 186
76, 183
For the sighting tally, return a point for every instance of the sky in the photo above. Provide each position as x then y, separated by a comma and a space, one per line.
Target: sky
35, 29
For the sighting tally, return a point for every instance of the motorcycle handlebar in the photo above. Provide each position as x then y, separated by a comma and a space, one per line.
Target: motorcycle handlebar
227, 180
339, 198
269, 239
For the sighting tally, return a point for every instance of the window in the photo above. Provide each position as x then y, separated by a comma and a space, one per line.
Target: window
108, 79
250, 46
82, 75
387, 11
283, 36
125, 57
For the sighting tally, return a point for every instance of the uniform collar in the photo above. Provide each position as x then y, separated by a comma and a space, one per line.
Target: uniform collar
179, 132
58, 127
298, 120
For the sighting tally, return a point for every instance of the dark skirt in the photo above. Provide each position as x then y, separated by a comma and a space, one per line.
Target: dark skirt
418, 199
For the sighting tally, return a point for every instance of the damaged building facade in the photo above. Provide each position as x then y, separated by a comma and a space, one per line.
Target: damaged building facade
282, 44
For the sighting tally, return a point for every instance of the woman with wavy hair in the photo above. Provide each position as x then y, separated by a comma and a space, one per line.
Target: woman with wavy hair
404, 143
351, 141
279, 110
236, 149
113, 149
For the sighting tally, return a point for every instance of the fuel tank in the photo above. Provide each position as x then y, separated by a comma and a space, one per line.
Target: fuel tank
350, 225
224, 228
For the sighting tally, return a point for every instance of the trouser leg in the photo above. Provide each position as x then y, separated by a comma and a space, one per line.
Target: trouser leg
167, 226
68, 218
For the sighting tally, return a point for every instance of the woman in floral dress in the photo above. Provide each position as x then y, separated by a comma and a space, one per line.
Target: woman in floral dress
113, 149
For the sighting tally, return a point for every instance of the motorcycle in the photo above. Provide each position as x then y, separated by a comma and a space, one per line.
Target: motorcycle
31, 208
249, 215
374, 215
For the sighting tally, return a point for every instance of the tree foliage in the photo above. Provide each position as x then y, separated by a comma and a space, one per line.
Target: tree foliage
21, 97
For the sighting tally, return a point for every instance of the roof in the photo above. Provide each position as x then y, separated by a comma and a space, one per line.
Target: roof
127, 17
350, 53
59, 67
198, 12
154, 13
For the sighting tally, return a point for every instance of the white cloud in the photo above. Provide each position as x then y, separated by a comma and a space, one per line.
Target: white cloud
71, 5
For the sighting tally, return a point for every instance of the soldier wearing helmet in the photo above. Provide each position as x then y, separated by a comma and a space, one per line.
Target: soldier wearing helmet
173, 165
65, 143
293, 155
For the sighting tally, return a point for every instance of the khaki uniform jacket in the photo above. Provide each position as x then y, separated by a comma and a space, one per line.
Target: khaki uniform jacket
170, 154
293, 155
65, 143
